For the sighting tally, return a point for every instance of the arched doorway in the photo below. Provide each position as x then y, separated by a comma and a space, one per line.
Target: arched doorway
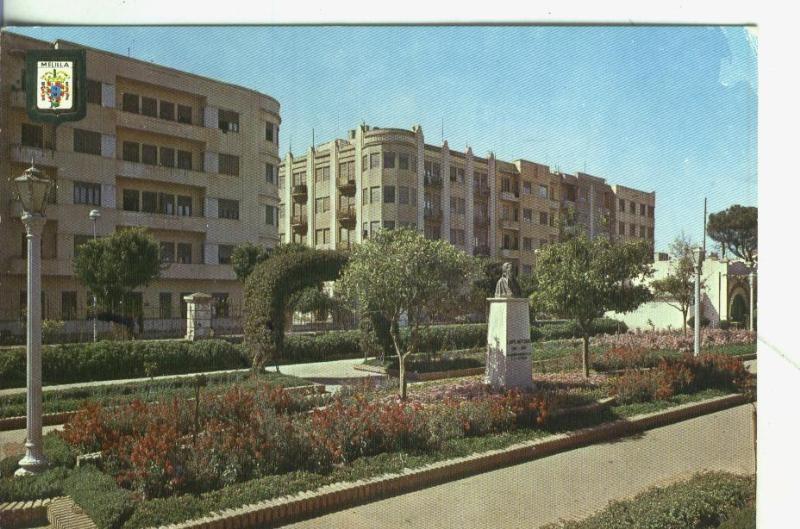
738, 311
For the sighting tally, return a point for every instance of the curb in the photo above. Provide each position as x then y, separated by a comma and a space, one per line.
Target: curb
23, 513
50, 419
337, 496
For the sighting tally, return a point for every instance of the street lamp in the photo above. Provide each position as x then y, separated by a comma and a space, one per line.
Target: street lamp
752, 287
94, 215
32, 188
699, 255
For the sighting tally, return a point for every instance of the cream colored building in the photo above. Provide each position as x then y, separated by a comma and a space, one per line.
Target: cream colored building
192, 159
343, 191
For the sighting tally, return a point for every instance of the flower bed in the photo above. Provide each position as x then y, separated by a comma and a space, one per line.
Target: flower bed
674, 340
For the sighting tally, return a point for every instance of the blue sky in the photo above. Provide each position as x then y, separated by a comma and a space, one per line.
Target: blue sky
670, 109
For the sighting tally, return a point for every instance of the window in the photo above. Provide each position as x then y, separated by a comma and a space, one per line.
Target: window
527, 244
633, 207
375, 194
621, 230
221, 304
269, 172
185, 160
86, 141
622, 205
269, 134
364, 163
543, 217
322, 204
374, 226
166, 203
167, 252
130, 151
184, 206
149, 201
432, 170
527, 215
130, 103
632, 230
86, 193
642, 231
543, 191
413, 196
374, 160
388, 194
650, 233
94, 92
32, 135
651, 211
69, 305
403, 192
403, 161
322, 174
323, 236
77, 242
184, 253
527, 187
457, 236
149, 107
457, 174
505, 185
130, 200
185, 114
269, 215
347, 171
642, 210
167, 157
224, 253
229, 164
365, 196
388, 160
165, 305
166, 110
149, 154
228, 209
228, 121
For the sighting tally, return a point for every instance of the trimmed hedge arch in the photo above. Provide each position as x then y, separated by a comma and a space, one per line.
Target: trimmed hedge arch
268, 288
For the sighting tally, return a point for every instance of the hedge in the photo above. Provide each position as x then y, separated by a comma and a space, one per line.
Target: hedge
702, 502
99, 496
107, 360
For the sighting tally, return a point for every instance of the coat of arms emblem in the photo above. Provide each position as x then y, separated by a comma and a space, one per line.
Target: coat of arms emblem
54, 85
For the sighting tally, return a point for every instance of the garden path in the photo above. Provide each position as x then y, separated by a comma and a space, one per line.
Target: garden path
568, 485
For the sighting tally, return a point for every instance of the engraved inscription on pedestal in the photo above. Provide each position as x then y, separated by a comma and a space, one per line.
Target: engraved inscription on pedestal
509, 348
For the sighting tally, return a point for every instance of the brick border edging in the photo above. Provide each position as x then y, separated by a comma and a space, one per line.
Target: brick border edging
18, 513
50, 419
342, 495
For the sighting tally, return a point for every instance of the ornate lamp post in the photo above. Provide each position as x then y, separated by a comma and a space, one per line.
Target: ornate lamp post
699, 255
32, 188
94, 215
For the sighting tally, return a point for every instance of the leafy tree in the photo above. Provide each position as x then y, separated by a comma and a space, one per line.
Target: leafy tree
582, 279
400, 272
245, 257
113, 267
677, 288
736, 230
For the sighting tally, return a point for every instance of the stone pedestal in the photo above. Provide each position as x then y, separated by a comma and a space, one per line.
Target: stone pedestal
509, 350
198, 316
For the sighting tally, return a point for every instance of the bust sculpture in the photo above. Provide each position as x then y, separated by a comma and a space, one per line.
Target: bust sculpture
507, 286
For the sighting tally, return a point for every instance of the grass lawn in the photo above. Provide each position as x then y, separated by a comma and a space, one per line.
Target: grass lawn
115, 394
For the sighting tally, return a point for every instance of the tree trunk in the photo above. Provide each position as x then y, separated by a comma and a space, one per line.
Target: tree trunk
394, 331
684, 312
403, 388
586, 355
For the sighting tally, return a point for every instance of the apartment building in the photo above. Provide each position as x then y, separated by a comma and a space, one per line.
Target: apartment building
341, 192
191, 159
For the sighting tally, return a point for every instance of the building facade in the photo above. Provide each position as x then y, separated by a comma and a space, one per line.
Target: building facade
341, 192
191, 159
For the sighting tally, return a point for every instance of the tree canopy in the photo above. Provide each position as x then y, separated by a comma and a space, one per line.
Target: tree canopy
582, 279
736, 230
399, 272
677, 288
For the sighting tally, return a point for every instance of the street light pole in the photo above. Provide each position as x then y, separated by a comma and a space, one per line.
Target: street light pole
32, 189
699, 255
752, 280
94, 215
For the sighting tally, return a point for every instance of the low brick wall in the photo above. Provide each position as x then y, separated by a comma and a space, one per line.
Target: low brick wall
23, 513
339, 496
63, 513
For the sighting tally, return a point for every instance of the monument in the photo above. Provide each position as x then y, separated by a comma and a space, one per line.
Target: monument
198, 316
508, 351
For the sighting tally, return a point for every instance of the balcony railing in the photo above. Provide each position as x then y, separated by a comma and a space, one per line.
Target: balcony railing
481, 189
482, 251
300, 191
433, 181
300, 223
347, 185
510, 195
347, 214
510, 224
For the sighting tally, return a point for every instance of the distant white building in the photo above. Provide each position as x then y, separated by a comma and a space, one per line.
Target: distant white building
726, 296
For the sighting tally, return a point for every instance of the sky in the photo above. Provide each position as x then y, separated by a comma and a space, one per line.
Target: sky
665, 109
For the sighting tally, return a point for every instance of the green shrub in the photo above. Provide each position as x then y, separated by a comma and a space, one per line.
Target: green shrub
742, 519
699, 503
703, 322
98, 495
107, 360
332, 345
48, 484
724, 324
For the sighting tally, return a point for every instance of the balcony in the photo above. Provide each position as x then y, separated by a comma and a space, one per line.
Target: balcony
193, 132
158, 221
481, 220
433, 181
347, 185
50, 267
160, 173
433, 215
300, 223
510, 196
300, 192
347, 215
481, 251
45, 155
509, 224
481, 190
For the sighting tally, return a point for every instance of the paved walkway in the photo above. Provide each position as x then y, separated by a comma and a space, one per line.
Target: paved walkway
570, 485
